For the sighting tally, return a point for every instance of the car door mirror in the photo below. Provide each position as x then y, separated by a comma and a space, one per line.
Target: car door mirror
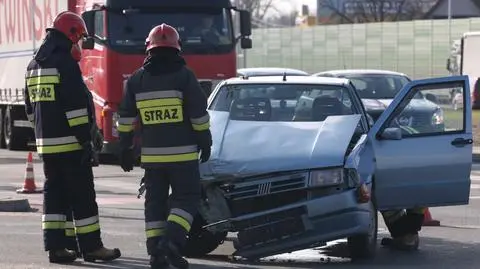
391, 134
88, 43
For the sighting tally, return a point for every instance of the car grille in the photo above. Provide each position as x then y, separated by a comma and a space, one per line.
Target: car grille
267, 193
270, 227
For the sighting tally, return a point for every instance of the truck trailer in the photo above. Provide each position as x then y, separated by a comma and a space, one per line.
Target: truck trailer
113, 51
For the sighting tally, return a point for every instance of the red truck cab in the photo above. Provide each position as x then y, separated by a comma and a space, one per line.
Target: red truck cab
116, 46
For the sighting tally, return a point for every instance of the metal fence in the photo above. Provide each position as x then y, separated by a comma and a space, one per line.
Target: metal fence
417, 48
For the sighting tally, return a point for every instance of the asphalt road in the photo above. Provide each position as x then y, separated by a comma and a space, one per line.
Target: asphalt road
453, 245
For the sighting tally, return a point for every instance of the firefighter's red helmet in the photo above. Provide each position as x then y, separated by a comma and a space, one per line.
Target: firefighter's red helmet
71, 25
163, 35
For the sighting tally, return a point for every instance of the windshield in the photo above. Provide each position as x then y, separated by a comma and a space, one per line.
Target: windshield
281, 102
201, 30
377, 86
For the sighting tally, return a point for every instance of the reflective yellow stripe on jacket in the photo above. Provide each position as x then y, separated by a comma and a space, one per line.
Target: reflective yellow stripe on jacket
125, 125
201, 124
41, 84
77, 117
169, 154
158, 107
57, 145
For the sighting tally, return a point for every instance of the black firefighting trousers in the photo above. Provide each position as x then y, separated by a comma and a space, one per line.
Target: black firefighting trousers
403, 222
171, 218
69, 187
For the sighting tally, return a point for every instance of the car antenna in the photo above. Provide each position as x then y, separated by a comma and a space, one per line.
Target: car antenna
284, 76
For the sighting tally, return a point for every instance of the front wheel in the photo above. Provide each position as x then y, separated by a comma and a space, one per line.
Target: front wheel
364, 246
201, 241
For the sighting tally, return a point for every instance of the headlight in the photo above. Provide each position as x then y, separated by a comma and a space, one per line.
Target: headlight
115, 118
327, 177
437, 117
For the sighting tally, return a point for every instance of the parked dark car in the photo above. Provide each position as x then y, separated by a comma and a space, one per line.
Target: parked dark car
269, 71
377, 89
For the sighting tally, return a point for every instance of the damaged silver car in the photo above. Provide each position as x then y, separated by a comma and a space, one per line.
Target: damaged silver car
295, 164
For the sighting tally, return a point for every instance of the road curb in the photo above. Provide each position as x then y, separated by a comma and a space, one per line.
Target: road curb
14, 205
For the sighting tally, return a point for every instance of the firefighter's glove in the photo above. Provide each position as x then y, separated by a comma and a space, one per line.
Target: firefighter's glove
97, 140
205, 154
127, 160
87, 153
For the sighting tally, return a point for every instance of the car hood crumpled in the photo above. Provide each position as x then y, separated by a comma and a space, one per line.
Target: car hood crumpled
246, 148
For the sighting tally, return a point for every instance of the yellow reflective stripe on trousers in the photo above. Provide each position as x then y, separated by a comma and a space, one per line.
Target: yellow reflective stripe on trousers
169, 154
201, 124
57, 145
69, 229
87, 225
125, 124
181, 217
53, 221
155, 228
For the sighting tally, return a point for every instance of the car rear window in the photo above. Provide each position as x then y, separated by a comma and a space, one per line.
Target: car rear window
377, 86
283, 102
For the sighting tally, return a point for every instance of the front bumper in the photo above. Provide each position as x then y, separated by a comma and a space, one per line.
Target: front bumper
301, 225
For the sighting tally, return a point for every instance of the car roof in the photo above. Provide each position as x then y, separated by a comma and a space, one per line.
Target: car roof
270, 71
289, 80
360, 72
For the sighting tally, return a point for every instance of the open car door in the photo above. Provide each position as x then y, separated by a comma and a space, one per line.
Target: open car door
422, 147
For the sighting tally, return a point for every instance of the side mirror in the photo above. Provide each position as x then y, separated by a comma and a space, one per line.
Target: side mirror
391, 134
245, 23
246, 43
88, 43
89, 18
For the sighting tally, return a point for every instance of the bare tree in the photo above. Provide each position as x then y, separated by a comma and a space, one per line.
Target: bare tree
360, 11
258, 8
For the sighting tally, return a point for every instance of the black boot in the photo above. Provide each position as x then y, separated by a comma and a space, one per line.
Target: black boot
62, 256
102, 254
158, 262
173, 255
409, 242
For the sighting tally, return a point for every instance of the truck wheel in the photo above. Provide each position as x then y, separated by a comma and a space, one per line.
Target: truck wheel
200, 241
364, 246
13, 139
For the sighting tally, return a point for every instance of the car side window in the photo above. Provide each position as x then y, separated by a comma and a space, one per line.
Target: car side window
432, 114
99, 24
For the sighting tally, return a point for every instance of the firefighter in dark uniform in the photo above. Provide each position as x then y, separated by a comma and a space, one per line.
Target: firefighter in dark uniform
72, 243
404, 224
56, 102
175, 128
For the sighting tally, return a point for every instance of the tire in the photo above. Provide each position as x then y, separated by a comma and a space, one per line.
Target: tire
200, 241
13, 138
364, 246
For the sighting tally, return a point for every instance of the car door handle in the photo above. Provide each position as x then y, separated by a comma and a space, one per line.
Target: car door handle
460, 142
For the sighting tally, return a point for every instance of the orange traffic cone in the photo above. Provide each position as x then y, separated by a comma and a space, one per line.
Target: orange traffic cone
428, 220
29, 183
